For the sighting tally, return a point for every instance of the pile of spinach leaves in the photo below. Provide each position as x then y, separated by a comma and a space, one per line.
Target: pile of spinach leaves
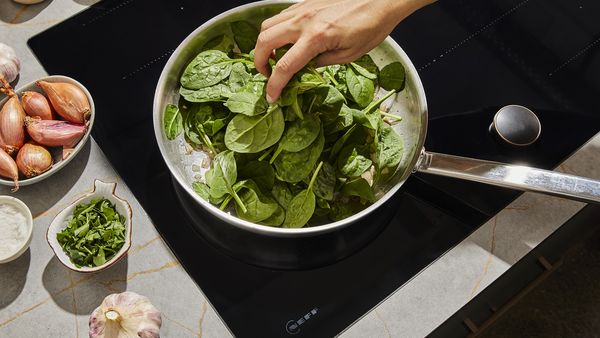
314, 154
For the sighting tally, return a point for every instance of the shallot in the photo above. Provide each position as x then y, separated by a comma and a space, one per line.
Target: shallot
12, 116
8, 168
33, 160
36, 104
53, 133
69, 101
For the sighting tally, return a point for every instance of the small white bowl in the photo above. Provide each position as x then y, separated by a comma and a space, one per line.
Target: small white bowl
21, 206
57, 154
101, 190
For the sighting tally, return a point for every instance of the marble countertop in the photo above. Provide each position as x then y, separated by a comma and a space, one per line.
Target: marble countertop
37, 289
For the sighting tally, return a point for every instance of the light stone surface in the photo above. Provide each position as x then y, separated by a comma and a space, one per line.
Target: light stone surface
39, 295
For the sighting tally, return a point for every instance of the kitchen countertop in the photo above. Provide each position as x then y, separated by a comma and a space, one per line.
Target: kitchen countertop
37, 289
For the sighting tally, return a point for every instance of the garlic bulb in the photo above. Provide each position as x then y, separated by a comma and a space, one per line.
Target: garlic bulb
9, 63
125, 315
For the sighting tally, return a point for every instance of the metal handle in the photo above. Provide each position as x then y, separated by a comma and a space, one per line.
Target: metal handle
511, 176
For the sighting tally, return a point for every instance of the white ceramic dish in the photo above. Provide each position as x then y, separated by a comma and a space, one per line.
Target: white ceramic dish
21, 206
56, 153
101, 190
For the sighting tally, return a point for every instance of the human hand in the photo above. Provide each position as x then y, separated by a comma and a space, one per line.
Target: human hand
333, 31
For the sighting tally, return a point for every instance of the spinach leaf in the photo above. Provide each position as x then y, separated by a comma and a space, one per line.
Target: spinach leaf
260, 172
172, 121
218, 92
341, 210
245, 35
258, 206
392, 77
389, 148
344, 120
328, 103
299, 134
239, 77
359, 187
276, 219
282, 194
302, 206
207, 69
223, 42
247, 103
339, 144
293, 167
202, 190
324, 185
367, 63
222, 176
351, 163
251, 134
363, 71
361, 89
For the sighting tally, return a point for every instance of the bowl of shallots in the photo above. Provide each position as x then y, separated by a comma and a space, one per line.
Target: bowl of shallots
43, 125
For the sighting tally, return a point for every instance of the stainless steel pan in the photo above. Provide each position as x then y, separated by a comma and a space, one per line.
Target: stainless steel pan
410, 104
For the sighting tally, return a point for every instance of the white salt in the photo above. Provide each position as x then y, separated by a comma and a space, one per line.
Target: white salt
13, 230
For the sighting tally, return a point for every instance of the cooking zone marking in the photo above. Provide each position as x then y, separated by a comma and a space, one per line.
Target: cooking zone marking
475, 34
572, 58
147, 64
293, 326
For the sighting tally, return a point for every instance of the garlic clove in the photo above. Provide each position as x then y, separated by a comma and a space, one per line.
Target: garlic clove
8, 168
69, 101
10, 66
125, 314
36, 104
12, 121
33, 160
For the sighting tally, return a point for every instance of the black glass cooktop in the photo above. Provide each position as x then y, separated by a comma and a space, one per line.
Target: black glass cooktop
473, 57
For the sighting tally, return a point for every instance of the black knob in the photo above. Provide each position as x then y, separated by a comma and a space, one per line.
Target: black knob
516, 125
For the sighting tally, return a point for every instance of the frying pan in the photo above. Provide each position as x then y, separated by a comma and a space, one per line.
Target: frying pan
410, 104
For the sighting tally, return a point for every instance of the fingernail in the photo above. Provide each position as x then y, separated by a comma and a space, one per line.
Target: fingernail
270, 99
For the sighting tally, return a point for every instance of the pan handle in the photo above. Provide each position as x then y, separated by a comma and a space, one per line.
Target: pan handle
510, 176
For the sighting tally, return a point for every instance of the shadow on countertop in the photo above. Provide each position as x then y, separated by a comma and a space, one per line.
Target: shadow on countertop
80, 293
13, 276
14, 13
42, 196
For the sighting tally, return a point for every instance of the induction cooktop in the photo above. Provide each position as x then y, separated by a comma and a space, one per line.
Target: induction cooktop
472, 56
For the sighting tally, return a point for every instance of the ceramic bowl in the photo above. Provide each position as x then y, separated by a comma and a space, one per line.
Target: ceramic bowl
101, 190
21, 206
57, 154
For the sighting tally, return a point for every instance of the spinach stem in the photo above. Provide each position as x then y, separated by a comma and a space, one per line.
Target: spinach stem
314, 176
225, 202
238, 200
377, 103
317, 74
277, 152
399, 118
263, 156
331, 77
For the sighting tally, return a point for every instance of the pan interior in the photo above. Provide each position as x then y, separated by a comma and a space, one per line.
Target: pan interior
186, 164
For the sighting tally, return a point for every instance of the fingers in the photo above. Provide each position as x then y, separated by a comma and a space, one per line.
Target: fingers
274, 20
297, 57
273, 38
335, 57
